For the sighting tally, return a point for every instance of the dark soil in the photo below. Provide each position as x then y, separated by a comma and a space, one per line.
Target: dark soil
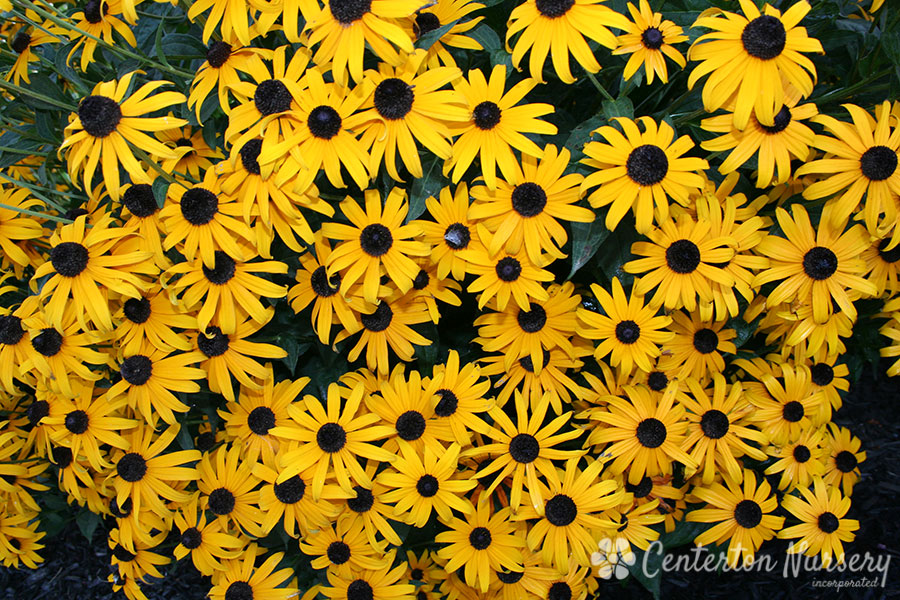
75, 569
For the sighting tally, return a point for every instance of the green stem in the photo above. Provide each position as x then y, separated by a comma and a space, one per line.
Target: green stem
39, 188
20, 151
47, 99
36, 193
101, 42
32, 213
600, 88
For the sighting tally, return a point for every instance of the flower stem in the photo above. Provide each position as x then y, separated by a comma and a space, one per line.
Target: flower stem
600, 88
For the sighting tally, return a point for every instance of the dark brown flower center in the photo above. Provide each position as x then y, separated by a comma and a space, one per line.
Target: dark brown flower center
425, 22
222, 271
889, 256
878, 163
652, 38
338, 553
217, 54
529, 199
362, 502
94, 11
378, 320
651, 433
427, 486
376, 239
657, 381
792, 411
410, 425
560, 510
77, 421
683, 256
457, 236
748, 514
828, 522
346, 12
782, 120
213, 343
822, 374
322, 285
447, 404
191, 538
69, 259
11, 332
706, 341
764, 37
221, 501
260, 420
524, 448
628, 331
508, 269
532, 321
480, 538
20, 42
801, 453
331, 437
272, 97
647, 165
486, 115
132, 467
290, 491
249, 154
239, 590
139, 200
641, 489
845, 461
360, 589
136, 369
820, 263
137, 311
714, 424
99, 115
324, 122
553, 9
199, 206
48, 342
393, 98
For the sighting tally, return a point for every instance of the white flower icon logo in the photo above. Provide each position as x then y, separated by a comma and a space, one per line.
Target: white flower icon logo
614, 558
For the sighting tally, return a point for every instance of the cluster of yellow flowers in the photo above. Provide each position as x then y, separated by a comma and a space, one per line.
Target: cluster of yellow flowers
170, 297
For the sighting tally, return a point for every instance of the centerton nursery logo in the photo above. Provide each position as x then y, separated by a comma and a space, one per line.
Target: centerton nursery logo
868, 569
614, 558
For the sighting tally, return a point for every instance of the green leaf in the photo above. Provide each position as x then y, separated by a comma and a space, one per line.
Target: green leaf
183, 45
586, 240
581, 135
294, 349
184, 438
486, 36
429, 185
160, 189
683, 534
623, 107
428, 40
87, 523
647, 568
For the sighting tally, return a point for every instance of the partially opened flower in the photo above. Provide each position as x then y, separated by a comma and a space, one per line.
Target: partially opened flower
821, 511
650, 40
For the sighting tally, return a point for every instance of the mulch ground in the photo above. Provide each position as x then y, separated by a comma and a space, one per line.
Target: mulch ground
75, 569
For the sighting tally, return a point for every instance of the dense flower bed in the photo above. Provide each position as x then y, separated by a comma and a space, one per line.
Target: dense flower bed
354, 301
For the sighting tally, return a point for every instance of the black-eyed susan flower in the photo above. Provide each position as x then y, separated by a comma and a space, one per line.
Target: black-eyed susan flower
534, 385
225, 60
14, 343
149, 379
821, 266
200, 220
291, 502
444, 12
381, 584
496, 126
785, 406
377, 240
407, 408
680, 262
640, 171
109, 121
570, 514
25, 40
146, 473
207, 542
365, 505
389, 326
231, 16
630, 331
139, 563
883, 265
526, 210
315, 286
228, 490
250, 420
82, 257
152, 319
742, 513
141, 214
408, 105
87, 422
843, 458
451, 231
342, 549
697, 347
232, 355
559, 28
861, 160
428, 289
241, 578
332, 438
61, 355
483, 542
718, 433
21, 540
100, 20
419, 486
774, 146
633, 523
822, 527
342, 28
544, 326
325, 138
524, 450
645, 432
650, 40
228, 290
751, 57
799, 460
506, 276
462, 394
